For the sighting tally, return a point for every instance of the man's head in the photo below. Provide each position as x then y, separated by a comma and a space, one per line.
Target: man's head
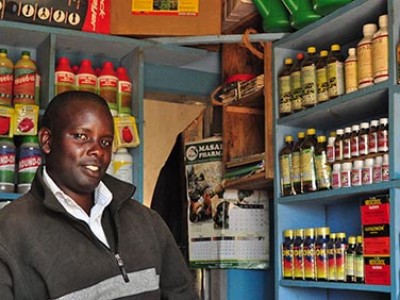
76, 138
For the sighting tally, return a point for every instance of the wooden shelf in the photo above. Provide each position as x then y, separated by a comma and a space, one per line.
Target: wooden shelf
254, 182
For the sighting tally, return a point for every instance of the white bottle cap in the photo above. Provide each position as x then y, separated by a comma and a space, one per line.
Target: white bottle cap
374, 123
386, 158
347, 130
383, 21
369, 162
378, 161
383, 121
339, 131
355, 127
352, 51
369, 29
336, 167
364, 125
358, 164
346, 166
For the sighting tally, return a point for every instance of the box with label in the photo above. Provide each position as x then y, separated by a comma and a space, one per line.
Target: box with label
377, 270
375, 210
83, 15
376, 239
166, 18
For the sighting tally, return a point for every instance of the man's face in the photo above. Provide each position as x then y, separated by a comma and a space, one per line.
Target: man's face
78, 149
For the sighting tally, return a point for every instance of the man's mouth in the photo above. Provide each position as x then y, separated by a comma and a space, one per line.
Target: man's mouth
92, 168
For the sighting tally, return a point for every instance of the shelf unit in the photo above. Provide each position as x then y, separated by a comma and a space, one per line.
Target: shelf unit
147, 61
339, 209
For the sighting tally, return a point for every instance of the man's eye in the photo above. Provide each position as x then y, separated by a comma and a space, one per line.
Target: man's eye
80, 136
106, 143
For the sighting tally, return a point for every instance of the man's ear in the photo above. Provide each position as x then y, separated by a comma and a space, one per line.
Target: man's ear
45, 140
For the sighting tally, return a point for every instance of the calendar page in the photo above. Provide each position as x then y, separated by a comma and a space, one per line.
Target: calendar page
228, 228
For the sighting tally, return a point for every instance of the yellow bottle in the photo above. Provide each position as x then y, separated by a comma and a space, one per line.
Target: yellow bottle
6, 78
24, 80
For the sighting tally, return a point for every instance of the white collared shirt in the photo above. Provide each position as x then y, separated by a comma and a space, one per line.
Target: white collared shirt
102, 198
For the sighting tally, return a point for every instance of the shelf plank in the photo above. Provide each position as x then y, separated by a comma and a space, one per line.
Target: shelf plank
254, 182
9, 196
336, 285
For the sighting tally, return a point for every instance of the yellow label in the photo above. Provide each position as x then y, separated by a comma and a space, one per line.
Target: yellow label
350, 70
285, 169
364, 56
166, 7
380, 52
307, 165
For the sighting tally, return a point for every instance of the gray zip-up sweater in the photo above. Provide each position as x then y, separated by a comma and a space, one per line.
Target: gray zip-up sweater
45, 253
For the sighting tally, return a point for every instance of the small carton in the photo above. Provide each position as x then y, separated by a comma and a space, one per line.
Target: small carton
6, 121
376, 239
26, 119
377, 270
126, 133
375, 210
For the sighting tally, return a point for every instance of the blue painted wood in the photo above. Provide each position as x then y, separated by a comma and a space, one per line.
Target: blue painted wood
249, 284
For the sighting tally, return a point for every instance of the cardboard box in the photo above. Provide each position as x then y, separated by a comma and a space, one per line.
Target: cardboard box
155, 22
376, 239
375, 210
83, 15
377, 270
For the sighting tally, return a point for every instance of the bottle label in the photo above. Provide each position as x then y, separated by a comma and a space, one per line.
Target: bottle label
354, 145
296, 167
332, 264
322, 262
285, 169
383, 144
346, 149
350, 70
381, 57
287, 257
385, 172
350, 264
309, 86
345, 179
309, 262
335, 79
24, 86
64, 81
322, 85
359, 266
285, 96
330, 153
295, 82
7, 166
363, 144
307, 165
338, 150
124, 96
377, 174
336, 180
108, 88
323, 172
356, 177
86, 82
373, 142
123, 170
364, 56
298, 262
29, 160
367, 175
6, 85
340, 263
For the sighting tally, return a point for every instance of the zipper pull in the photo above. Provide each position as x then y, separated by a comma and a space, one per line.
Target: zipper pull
121, 267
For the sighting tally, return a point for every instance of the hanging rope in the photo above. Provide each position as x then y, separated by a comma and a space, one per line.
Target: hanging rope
247, 44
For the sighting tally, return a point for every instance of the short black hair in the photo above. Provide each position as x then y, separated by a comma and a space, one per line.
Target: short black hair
60, 102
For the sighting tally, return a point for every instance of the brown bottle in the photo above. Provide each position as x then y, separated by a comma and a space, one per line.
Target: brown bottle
285, 163
295, 83
307, 162
373, 137
383, 138
359, 261
363, 138
285, 95
322, 77
354, 141
322, 168
347, 143
335, 72
296, 164
339, 145
309, 78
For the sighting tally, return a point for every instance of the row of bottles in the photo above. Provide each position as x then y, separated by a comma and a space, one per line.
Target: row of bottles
19, 82
317, 254
113, 85
18, 164
313, 79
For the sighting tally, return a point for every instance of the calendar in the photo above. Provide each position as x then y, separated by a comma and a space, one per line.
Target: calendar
228, 228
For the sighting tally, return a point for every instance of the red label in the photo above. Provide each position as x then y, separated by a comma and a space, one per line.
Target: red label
377, 270
354, 146
98, 16
383, 143
125, 86
363, 145
64, 77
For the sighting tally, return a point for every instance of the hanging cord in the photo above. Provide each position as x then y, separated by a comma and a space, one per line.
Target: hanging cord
247, 44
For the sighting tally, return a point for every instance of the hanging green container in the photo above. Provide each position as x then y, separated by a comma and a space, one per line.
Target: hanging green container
275, 16
302, 13
325, 7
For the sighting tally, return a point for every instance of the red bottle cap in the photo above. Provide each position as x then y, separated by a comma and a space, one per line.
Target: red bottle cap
122, 74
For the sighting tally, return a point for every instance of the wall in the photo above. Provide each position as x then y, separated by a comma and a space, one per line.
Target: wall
163, 121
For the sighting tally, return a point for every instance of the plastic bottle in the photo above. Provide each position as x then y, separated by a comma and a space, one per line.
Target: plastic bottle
86, 78
7, 165
6, 79
123, 163
347, 143
336, 179
354, 141
363, 138
29, 159
287, 255
307, 162
364, 56
377, 169
124, 94
367, 177
380, 51
339, 145
322, 168
331, 257
350, 255
330, 147
385, 167
285, 160
350, 71
296, 164
322, 77
345, 174
373, 137
298, 259
309, 254
356, 172
295, 83
335, 72
340, 256
309, 79
64, 76
285, 95
383, 135
321, 247
359, 261
38, 84
24, 80
107, 86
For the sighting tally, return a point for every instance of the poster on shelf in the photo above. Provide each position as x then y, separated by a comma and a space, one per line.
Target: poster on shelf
228, 228
166, 7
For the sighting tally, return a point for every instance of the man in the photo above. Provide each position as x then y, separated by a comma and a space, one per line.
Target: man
77, 234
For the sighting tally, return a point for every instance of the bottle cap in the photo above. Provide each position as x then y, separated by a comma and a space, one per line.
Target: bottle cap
288, 233
369, 162
383, 21
385, 158
352, 239
383, 121
355, 127
347, 130
369, 29
364, 125
288, 138
309, 231
341, 235
321, 139
346, 166
378, 161
359, 239
3, 51
332, 134
25, 53
352, 51
323, 231
311, 50
335, 47
323, 53
299, 232
301, 135
300, 56
337, 167
374, 123
332, 236
358, 164
288, 61
122, 74
339, 132
310, 131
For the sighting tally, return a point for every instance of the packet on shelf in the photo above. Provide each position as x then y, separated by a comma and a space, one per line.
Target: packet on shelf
6, 121
26, 119
126, 133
